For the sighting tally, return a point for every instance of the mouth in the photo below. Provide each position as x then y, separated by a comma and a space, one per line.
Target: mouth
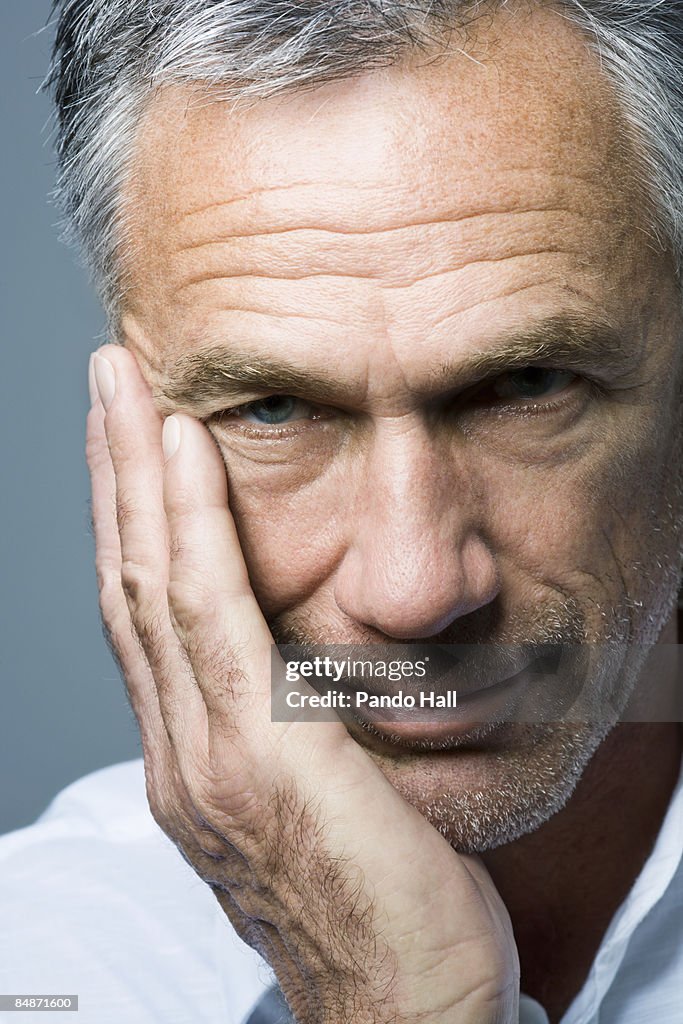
475, 714
425, 697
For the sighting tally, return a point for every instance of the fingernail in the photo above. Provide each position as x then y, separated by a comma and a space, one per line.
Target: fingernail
92, 384
105, 380
170, 436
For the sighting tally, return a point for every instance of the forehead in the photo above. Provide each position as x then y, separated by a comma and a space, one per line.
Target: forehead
510, 147
523, 93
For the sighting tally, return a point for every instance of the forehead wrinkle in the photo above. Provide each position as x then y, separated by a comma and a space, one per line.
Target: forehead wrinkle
454, 217
300, 255
256, 192
451, 215
379, 277
393, 206
251, 310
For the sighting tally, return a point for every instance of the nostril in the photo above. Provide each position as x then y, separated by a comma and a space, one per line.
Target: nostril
415, 593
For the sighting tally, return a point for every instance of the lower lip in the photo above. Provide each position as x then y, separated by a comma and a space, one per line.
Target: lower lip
485, 707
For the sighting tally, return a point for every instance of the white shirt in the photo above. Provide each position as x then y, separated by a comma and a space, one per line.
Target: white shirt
95, 901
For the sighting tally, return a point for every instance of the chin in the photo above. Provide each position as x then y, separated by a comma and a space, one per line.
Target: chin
493, 787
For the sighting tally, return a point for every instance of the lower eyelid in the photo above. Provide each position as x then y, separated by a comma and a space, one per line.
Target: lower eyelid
270, 427
486, 399
262, 431
574, 397
576, 394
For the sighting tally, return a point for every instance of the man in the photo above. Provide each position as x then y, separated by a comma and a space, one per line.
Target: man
397, 291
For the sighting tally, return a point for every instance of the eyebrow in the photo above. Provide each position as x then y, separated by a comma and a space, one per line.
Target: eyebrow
196, 382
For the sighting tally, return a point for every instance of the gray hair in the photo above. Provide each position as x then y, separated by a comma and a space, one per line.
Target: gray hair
110, 55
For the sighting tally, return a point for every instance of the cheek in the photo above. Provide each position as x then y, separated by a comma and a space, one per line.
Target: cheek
292, 536
595, 528
548, 526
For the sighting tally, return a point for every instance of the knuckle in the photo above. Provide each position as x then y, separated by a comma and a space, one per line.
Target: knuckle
200, 841
214, 834
228, 797
137, 583
109, 588
212, 844
114, 626
96, 449
190, 602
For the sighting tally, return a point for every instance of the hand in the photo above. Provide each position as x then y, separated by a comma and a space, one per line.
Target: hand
362, 909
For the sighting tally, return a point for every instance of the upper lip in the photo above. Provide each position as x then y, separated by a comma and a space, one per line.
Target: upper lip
469, 679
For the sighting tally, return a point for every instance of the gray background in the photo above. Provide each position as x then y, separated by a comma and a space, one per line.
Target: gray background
64, 711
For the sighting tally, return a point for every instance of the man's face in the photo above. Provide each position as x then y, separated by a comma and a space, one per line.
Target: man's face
423, 317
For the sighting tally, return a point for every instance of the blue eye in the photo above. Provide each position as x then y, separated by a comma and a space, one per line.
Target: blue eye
532, 382
276, 409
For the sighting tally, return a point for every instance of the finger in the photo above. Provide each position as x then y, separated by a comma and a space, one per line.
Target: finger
114, 609
166, 792
212, 605
220, 623
133, 433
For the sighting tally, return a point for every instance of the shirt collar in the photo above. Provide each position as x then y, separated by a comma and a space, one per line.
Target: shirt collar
647, 890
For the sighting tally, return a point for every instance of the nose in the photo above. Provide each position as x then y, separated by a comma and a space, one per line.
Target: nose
415, 559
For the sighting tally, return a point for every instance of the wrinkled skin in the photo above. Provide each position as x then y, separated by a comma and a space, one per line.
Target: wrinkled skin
389, 250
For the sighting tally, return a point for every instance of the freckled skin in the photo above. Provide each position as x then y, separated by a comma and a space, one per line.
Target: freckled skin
376, 229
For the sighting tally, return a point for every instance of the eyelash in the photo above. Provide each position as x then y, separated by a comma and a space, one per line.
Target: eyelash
273, 433
531, 407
